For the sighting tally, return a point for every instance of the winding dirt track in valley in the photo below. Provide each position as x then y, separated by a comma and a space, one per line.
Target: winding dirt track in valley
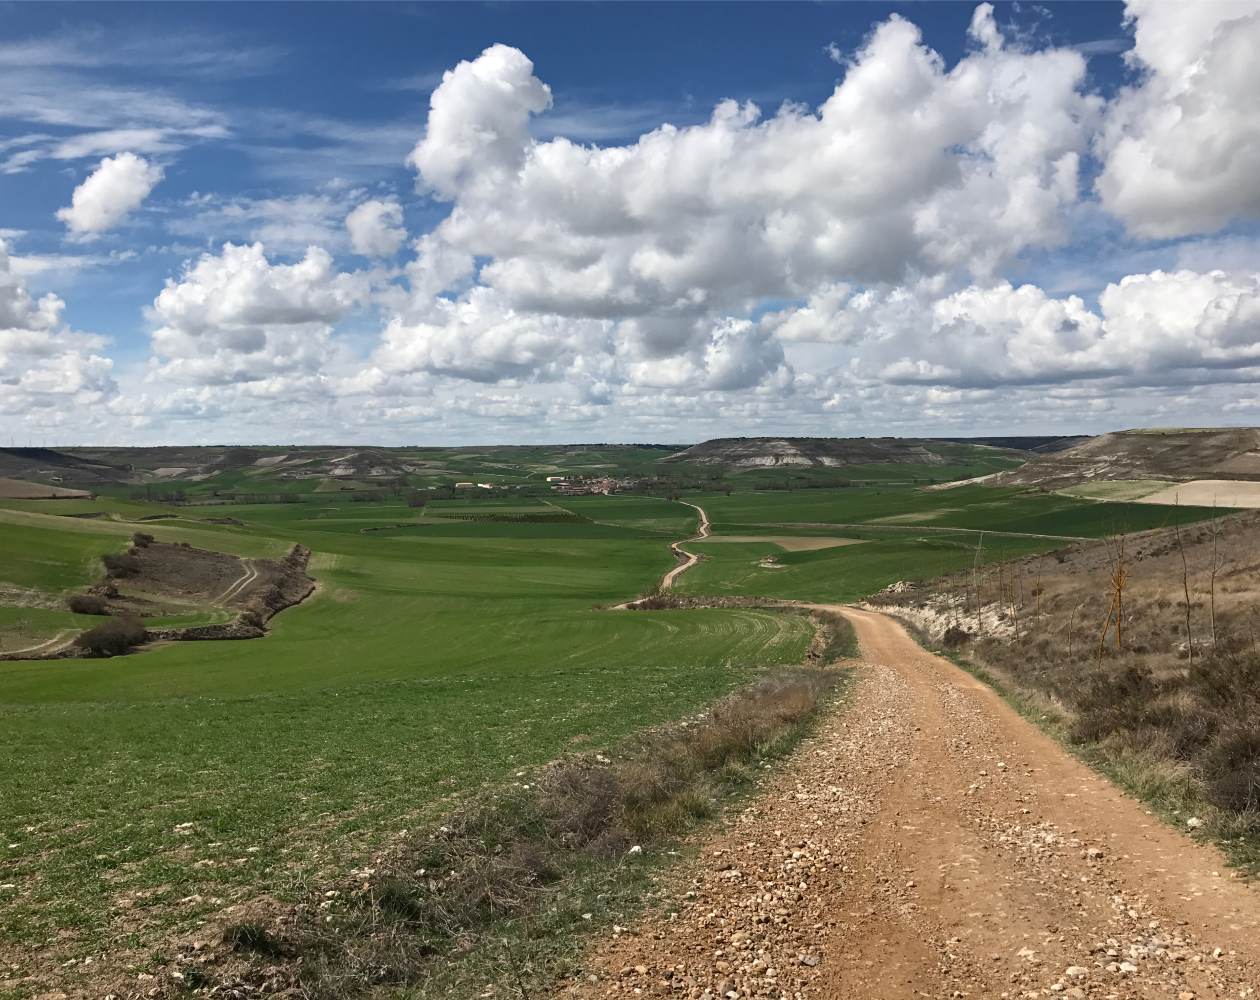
246, 578
928, 842
689, 558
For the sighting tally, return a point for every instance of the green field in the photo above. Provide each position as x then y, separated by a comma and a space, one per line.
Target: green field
972, 507
436, 655
279, 788
430, 659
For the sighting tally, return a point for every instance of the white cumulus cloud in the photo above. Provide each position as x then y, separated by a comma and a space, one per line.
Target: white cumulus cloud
907, 168
376, 229
1158, 328
1182, 149
48, 374
114, 190
236, 317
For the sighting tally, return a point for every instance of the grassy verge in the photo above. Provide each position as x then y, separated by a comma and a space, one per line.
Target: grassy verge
1170, 788
506, 888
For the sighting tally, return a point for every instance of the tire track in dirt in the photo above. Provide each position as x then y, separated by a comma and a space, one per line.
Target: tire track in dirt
248, 577
927, 841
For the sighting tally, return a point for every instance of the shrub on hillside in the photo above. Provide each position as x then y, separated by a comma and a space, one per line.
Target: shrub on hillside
113, 637
88, 604
122, 565
141, 539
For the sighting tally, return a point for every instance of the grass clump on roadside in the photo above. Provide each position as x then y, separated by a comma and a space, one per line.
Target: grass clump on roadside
511, 878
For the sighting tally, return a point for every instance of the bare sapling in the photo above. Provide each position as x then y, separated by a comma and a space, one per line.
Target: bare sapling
1118, 571
1071, 623
1185, 574
1037, 591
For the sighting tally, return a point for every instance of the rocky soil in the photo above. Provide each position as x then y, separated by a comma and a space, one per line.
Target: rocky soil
929, 842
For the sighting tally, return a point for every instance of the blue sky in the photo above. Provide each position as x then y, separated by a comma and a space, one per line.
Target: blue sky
998, 224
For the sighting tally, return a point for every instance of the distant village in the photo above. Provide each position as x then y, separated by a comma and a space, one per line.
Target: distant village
574, 486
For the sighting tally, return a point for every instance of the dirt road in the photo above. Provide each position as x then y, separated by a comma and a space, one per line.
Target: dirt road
689, 558
928, 842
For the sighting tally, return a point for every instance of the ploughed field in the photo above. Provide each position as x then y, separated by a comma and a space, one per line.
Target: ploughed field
438, 654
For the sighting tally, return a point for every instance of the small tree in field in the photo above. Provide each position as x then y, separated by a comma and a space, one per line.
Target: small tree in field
416, 499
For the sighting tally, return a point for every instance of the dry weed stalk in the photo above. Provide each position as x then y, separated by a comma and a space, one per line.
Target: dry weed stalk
1014, 612
1218, 563
1185, 573
1106, 625
1037, 592
975, 579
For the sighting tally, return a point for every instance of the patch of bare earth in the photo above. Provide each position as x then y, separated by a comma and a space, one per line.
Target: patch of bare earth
929, 842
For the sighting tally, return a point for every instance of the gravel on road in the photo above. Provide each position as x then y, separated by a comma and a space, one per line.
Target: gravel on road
928, 842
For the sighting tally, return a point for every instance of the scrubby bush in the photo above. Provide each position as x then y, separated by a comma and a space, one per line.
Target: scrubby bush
141, 539
113, 637
88, 604
121, 565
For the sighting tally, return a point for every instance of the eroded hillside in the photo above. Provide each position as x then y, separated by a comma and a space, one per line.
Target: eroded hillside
1170, 454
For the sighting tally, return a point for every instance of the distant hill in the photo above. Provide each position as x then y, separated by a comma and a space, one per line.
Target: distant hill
1036, 445
1172, 454
752, 453
48, 466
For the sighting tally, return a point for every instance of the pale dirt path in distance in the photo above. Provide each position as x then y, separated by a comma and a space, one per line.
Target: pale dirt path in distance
928, 842
667, 581
246, 578
53, 643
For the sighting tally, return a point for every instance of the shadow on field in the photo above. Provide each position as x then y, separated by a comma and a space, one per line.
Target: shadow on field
499, 870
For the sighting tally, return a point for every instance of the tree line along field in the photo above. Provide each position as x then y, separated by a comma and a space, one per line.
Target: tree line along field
436, 654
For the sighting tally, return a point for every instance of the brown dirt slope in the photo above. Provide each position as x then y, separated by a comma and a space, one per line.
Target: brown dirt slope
1176, 454
929, 842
